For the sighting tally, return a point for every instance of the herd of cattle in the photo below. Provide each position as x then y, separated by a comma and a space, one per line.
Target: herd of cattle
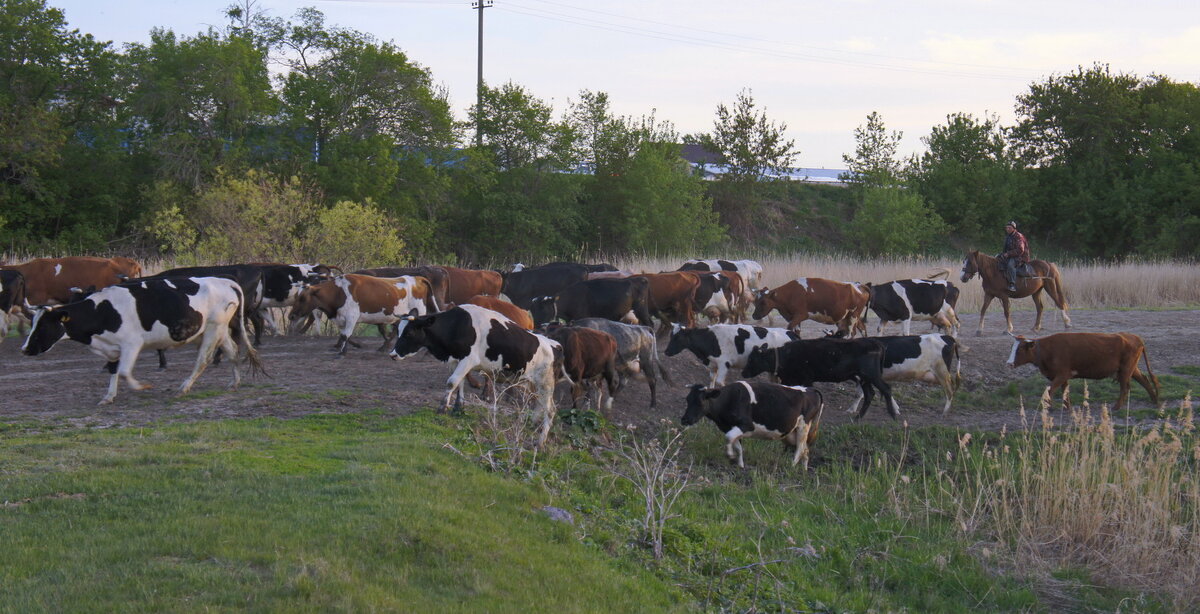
590, 325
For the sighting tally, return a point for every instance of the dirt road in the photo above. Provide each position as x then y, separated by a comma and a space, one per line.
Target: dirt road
61, 388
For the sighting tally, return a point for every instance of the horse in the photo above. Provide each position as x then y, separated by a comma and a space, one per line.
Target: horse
995, 285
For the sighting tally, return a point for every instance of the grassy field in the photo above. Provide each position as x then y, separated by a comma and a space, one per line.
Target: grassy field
371, 512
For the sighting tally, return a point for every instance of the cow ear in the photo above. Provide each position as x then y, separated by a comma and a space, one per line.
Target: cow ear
413, 312
710, 393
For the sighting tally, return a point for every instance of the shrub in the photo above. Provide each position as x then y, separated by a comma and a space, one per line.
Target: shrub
894, 221
354, 234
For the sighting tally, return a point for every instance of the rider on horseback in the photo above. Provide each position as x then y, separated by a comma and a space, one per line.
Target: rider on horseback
1015, 255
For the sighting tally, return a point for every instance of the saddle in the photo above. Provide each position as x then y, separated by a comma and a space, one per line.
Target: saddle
1023, 270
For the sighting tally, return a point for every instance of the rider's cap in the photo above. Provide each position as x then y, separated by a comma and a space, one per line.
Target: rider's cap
1011, 223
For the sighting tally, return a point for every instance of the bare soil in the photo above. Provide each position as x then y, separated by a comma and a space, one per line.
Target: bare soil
61, 388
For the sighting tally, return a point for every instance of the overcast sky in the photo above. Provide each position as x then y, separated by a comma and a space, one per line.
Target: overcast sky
819, 67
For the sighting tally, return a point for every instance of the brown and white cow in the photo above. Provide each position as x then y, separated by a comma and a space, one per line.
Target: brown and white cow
462, 284
1066, 356
588, 355
737, 296
507, 309
672, 297
49, 281
821, 300
353, 299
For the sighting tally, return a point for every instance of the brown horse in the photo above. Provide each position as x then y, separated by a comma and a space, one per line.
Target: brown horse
996, 286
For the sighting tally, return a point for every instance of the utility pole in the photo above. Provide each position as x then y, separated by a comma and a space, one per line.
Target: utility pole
479, 5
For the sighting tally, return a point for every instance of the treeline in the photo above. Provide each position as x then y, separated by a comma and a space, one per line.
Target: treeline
283, 138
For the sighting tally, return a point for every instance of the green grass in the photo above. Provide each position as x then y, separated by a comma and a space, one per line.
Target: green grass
348, 513
372, 513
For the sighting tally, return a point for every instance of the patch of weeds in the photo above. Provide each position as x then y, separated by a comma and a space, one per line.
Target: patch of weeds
339, 394
1192, 370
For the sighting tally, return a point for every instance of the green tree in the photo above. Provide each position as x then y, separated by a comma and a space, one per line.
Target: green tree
752, 145
192, 100
519, 130
874, 162
1111, 155
969, 176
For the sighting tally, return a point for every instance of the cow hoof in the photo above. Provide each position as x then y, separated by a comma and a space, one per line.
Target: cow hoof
105, 402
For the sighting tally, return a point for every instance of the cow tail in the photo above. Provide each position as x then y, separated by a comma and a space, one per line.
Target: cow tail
816, 421
1153, 377
658, 364
238, 327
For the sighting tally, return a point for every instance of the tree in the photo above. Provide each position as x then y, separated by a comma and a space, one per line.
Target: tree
518, 128
1111, 156
874, 162
969, 176
752, 145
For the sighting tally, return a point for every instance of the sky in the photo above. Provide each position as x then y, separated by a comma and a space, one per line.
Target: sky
818, 67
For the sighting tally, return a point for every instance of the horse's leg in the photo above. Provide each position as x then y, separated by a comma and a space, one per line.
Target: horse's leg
987, 300
1007, 305
1037, 303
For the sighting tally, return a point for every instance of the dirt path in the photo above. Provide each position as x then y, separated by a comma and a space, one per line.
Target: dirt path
61, 388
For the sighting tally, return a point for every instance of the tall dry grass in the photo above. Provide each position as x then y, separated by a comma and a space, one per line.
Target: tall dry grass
1149, 284
1123, 505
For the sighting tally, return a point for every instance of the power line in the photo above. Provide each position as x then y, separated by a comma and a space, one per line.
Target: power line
702, 42
786, 43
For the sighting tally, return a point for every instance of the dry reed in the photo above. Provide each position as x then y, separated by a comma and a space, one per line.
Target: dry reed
1123, 505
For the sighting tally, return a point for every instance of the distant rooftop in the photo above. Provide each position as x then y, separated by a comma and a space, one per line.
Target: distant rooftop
712, 165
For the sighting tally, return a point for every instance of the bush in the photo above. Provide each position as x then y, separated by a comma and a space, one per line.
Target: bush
894, 221
354, 234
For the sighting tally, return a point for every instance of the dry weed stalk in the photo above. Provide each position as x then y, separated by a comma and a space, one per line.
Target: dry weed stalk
652, 467
1123, 504
504, 438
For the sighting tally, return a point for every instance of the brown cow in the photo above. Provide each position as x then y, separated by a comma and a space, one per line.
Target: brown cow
1065, 356
437, 276
509, 310
49, 280
588, 355
352, 299
672, 297
466, 283
812, 298
132, 268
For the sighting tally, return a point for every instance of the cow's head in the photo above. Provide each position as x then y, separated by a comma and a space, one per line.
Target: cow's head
699, 399
544, 310
1022, 351
761, 360
413, 335
48, 328
323, 297
764, 303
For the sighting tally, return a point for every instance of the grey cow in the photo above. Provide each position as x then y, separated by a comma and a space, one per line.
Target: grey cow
637, 351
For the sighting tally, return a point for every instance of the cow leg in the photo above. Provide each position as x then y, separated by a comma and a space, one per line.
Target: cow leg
987, 300
892, 406
454, 384
1038, 305
907, 324
256, 320
733, 447
867, 393
383, 332
721, 374
125, 364
800, 440
208, 346
162, 360
229, 346
947, 381
1062, 381
346, 330
854, 406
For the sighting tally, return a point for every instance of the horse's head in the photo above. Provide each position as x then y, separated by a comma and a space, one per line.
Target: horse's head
970, 267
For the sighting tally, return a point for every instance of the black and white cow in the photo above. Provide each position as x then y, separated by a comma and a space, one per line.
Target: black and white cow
472, 338
119, 321
723, 348
759, 410
282, 283
751, 271
906, 300
637, 352
803, 362
931, 358
613, 299
12, 297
